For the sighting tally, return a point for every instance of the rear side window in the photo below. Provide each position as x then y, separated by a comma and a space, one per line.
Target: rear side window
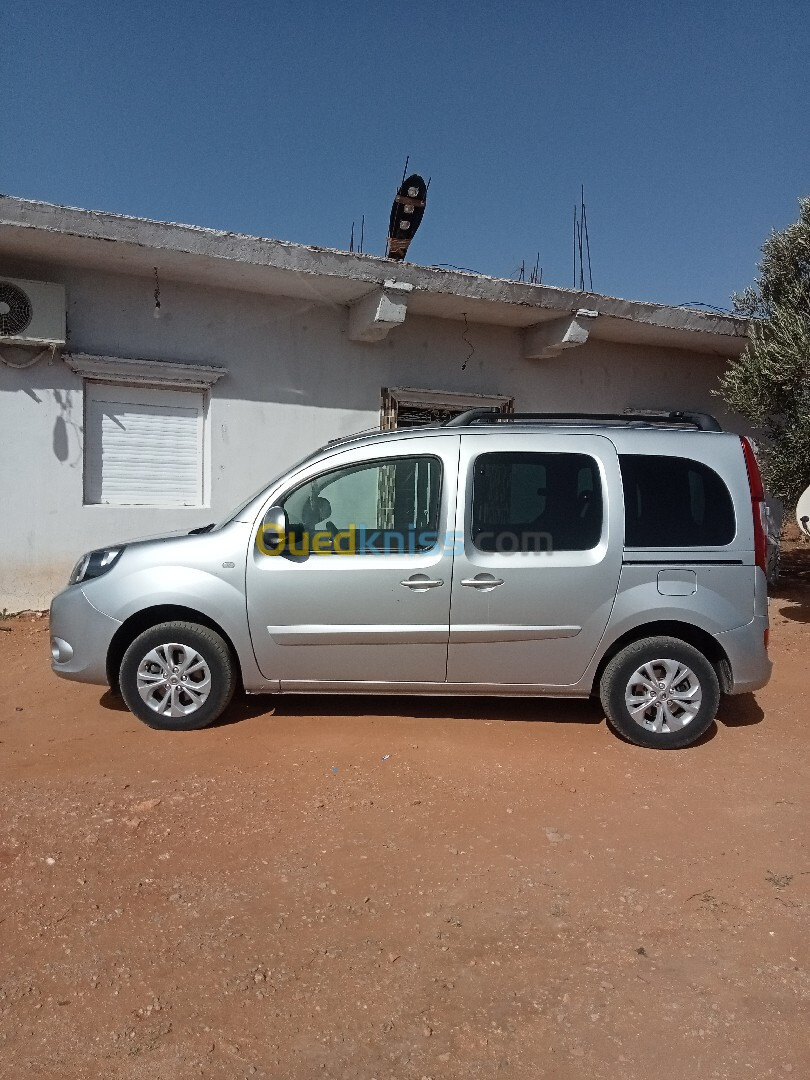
536, 502
672, 502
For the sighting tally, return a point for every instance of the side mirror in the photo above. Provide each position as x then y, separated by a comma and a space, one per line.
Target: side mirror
272, 535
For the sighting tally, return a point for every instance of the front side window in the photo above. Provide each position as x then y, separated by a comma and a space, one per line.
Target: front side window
673, 502
536, 502
381, 507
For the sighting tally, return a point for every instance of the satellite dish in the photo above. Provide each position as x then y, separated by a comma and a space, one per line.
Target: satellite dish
803, 512
406, 215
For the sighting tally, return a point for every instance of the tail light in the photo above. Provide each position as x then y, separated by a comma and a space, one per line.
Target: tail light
757, 504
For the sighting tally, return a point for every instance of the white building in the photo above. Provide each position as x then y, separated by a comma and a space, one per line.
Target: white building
116, 424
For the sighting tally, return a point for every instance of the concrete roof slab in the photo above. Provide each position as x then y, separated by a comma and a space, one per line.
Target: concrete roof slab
38, 231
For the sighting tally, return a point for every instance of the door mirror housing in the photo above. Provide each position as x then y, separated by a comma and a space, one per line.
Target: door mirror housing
272, 535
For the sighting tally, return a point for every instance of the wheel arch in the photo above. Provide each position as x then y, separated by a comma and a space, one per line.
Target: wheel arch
698, 638
153, 616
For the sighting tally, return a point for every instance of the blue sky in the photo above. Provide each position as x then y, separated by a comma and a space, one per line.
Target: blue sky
688, 123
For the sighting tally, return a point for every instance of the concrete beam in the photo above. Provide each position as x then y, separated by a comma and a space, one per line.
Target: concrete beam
376, 314
549, 339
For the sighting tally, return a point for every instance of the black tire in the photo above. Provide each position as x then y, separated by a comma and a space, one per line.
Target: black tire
616, 682
209, 648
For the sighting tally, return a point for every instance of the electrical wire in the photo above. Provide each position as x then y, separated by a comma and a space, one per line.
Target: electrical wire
709, 307
467, 341
29, 363
450, 266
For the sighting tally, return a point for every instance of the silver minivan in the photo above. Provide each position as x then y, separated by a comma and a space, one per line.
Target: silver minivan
527, 554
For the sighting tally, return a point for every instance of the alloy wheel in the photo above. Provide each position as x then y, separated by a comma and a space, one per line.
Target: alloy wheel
174, 679
663, 695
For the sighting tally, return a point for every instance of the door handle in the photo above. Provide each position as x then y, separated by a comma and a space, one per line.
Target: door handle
421, 582
483, 582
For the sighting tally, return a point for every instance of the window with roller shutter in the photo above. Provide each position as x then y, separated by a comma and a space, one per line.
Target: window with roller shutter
144, 446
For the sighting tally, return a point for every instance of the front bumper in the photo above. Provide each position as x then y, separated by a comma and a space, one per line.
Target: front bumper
745, 648
80, 637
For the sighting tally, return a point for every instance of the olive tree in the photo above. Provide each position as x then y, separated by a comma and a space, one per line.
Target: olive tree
769, 383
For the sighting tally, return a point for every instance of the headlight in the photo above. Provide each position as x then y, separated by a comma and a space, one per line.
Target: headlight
94, 564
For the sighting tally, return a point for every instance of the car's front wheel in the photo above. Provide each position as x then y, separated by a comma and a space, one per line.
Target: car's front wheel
178, 676
660, 692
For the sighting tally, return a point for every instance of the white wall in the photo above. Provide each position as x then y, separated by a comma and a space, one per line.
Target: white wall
295, 380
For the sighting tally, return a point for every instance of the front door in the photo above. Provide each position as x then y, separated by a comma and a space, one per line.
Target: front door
537, 571
362, 593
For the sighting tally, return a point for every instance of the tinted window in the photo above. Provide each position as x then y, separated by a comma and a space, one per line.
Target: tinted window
674, 502
377, 507
536, 502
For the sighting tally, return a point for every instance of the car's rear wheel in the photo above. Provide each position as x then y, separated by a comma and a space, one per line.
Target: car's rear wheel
178, 676
660, 692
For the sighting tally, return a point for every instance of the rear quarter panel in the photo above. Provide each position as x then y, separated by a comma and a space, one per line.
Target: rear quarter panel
727, 593
723, 599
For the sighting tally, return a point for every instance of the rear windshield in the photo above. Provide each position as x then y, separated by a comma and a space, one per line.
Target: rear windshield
672, 502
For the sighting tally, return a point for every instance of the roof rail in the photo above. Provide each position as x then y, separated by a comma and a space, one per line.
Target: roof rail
364, 433
700, 421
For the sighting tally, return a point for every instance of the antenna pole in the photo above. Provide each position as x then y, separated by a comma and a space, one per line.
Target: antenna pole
587, 245
362, 232
579, 250
351, 240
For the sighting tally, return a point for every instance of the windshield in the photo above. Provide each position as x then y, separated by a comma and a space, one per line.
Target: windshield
234, 515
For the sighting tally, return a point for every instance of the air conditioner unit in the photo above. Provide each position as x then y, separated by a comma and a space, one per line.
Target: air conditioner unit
31, 313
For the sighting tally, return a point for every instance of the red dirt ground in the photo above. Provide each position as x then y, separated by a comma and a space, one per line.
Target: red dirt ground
375, 888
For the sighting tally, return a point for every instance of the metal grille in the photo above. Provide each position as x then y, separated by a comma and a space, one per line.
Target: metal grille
15, 310
396, 413
386, 496
416, 416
